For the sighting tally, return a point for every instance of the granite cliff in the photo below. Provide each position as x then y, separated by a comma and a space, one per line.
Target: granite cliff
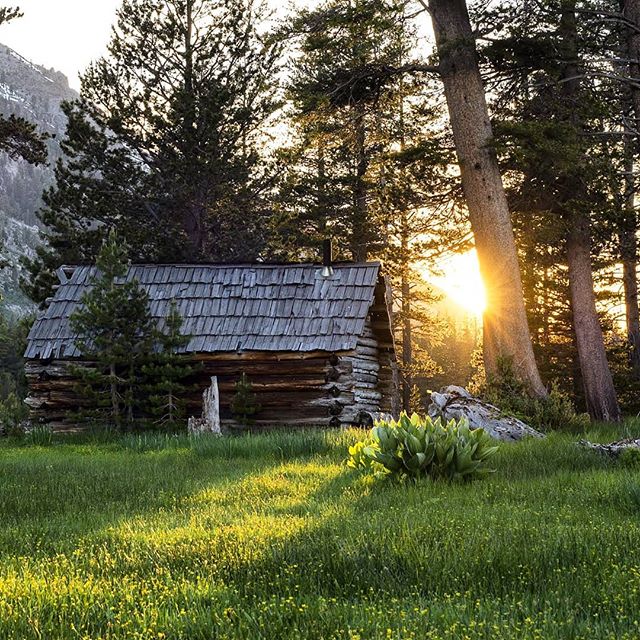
34, 93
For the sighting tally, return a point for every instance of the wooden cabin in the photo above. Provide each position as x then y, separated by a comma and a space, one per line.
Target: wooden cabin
316, 343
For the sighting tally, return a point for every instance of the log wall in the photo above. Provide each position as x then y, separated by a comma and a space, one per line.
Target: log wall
292, 389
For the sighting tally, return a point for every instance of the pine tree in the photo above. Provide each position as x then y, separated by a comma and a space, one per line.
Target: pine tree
351, 61
165, 143
553, 111
244, 405
166, 373
115, 333
366, 167
13, 342
506, 330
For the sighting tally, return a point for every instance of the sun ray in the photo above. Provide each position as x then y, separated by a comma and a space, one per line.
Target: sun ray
460, 280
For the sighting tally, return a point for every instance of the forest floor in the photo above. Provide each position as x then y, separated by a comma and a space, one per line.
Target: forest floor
272, 537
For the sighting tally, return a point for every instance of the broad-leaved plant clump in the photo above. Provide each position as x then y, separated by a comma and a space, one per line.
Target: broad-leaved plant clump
418, 447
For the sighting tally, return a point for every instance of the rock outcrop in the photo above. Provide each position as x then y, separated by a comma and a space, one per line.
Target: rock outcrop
34, 93
456, 403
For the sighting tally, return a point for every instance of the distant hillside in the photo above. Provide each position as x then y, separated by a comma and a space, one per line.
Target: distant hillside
34, 93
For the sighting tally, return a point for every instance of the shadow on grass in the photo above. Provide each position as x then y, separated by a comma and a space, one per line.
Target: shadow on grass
243, 515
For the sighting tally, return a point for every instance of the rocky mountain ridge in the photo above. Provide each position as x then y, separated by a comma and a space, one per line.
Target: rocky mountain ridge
35, 93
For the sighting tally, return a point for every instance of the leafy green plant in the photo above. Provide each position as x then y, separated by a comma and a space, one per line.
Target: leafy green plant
418, 447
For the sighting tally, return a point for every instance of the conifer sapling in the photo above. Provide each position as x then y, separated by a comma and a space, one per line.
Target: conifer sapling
114, 332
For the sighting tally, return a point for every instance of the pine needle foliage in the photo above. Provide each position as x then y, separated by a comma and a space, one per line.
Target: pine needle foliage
115, 334
244, 406
166, 144
166, 373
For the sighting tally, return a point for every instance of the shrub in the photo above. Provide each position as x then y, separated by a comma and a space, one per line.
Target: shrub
553, 413
244, 406
419, 447
13, 412
631, 458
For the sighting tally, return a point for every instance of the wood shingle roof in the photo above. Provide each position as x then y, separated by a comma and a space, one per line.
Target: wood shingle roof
229, 308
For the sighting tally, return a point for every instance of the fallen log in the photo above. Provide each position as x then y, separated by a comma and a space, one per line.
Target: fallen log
613, 449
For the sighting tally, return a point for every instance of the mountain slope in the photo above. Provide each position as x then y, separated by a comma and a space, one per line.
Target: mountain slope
34, 93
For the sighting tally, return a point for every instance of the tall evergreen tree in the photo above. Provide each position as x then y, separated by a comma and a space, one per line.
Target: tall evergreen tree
559, 152
115, 332
166, 372
366, 167
629, 37
506, 330
350, 54
164, 144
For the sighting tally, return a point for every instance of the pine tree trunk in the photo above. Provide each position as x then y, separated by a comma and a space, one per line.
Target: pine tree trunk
321, 191
629, 256
360, 235
631, 12
407, 337
600, 394
194, 211
628, 238
115, 402
506, 330
601, 400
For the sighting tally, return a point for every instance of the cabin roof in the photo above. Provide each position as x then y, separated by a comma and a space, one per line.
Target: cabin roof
228, 308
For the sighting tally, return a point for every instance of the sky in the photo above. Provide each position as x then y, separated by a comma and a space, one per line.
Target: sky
64, 34
67, 34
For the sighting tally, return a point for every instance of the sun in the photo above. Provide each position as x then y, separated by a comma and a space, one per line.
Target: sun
460, 280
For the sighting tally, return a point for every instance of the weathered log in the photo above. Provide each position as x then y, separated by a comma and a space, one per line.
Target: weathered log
613, 449
457, 403
365, 366
291, 388
365, 394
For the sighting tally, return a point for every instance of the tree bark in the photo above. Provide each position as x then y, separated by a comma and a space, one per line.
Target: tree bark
360, 232
629, 257
407, 337
506, 330
631, 12
628, 231
194, 211
600, 394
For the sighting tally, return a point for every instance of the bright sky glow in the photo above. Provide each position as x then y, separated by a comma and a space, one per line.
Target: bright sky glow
64, 34
69, 34
460, 280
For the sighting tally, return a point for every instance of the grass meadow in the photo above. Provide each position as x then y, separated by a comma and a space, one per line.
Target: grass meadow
272, 537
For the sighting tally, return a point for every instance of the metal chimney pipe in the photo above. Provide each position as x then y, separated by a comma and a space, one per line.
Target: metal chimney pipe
327, 258
327, 253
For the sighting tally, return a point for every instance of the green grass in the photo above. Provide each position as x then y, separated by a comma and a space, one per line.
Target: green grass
271, 537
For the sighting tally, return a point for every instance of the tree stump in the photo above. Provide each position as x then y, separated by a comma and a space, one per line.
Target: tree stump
210, 420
